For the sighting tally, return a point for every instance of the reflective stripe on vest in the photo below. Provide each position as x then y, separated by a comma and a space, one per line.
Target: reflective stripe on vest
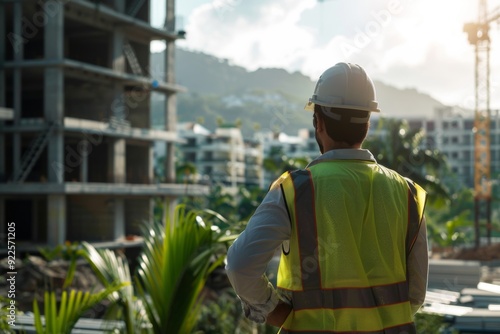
384, 308
351, 297
403, 329
300, 184
416, 206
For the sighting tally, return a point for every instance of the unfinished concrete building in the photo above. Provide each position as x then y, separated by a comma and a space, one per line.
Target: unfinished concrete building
76, 159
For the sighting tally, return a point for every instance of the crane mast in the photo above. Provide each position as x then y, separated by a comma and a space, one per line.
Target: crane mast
478, 34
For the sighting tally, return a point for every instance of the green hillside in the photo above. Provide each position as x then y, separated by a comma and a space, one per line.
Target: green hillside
268, 98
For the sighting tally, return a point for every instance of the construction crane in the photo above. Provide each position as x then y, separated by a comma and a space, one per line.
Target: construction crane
478, 35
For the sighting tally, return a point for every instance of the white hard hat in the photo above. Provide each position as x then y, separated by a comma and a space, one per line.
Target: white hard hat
345, 86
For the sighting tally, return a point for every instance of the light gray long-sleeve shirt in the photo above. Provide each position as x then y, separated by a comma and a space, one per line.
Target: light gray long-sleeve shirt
269, 228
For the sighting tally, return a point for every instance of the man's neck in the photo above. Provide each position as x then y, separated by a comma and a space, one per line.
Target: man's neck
342, 145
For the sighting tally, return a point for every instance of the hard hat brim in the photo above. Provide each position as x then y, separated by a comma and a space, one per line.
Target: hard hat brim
310, 107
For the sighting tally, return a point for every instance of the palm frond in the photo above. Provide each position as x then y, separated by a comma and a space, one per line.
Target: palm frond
111, 268
61, 319
177, 259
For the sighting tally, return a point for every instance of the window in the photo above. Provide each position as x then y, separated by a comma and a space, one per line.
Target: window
467, 139
431, 142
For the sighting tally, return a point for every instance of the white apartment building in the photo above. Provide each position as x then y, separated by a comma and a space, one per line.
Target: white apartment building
223, 156
451, 132
301, 146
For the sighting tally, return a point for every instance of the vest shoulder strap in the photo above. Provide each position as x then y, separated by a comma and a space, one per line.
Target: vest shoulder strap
417, 198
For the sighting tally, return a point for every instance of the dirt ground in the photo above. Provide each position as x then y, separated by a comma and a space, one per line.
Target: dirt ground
483, 253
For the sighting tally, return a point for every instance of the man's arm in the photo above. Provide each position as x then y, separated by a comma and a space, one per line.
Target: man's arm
248, 257
418, 267
278, 316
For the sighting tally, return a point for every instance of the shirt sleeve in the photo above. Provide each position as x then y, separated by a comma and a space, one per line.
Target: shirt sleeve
249, 255
418, 268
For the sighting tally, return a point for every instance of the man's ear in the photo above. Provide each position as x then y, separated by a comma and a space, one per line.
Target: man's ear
320, 124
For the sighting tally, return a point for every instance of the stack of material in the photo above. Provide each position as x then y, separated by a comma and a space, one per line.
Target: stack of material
483, 297
478, 321
453, 275
456, 291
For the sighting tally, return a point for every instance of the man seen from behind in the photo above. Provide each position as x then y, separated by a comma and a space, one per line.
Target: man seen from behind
352, 232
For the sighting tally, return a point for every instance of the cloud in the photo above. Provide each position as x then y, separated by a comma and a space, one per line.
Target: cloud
406, 43
251, 33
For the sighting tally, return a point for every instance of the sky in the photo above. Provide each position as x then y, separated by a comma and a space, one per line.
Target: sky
405, 43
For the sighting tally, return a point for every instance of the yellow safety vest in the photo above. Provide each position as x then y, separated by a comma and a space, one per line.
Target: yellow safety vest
353, 225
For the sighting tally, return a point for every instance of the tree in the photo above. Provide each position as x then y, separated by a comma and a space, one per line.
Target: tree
185, 172
249, 200
399, 148
277, 162
238, 123
219, 121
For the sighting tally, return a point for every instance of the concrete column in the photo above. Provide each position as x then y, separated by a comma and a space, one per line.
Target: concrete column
170, 16
54, 90
170, 113
84, 168
119, 218
117, 55
54, 112
171, 120
18, 57
151, 163
56, 225
117, 172
119, 107
170, 100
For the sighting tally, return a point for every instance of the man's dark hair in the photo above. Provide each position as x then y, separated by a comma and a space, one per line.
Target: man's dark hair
344, 130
